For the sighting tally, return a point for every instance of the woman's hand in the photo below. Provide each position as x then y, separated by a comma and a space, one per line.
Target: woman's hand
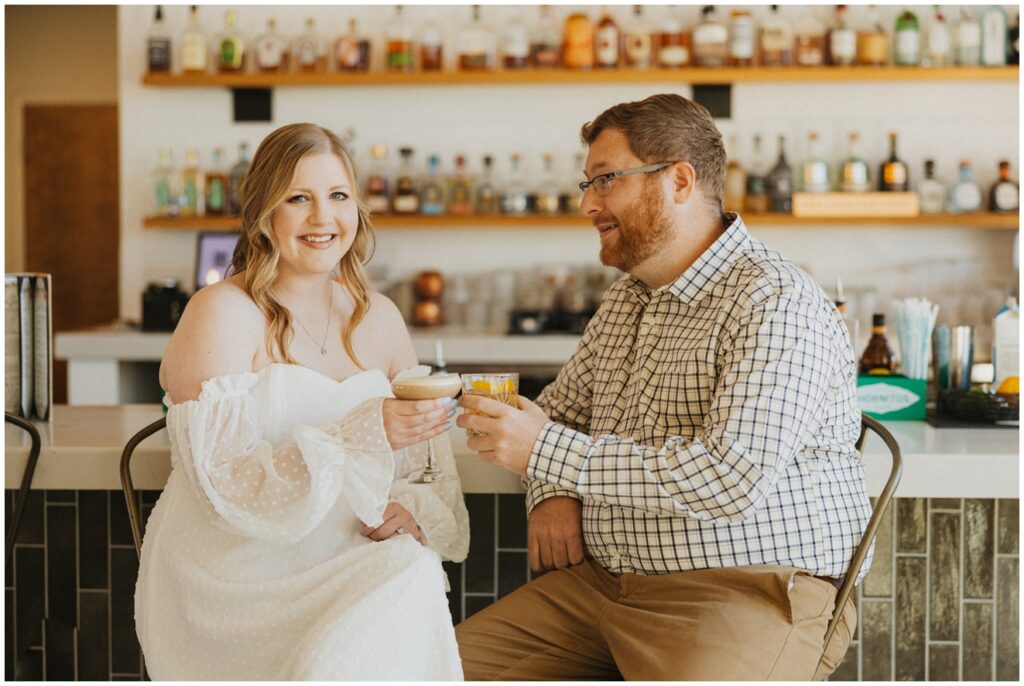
408, 422
398, 521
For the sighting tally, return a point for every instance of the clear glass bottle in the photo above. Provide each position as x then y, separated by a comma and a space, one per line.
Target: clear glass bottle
193, 45
906, 48
352, 50
637, 47
854, 175
309, 51
406, 199
809, 50
217, 185
271, 50
742, 38
165, 199
1005, 194
673, 46
546, 41
476, 45
993, 36
872, 45
570, 199
515, 43
547, 189
931, 191
238, 172
578, 42
939, 47
758, 200
514, 197
893, 175
401, 49
780, 182
814, 175
776, 40
968, 39
487, 201
191, 185
432, 193
710, 40
735, 180
606, 42
229, 47
460, 189
1013, 42
431, 46
378, 185
158, 44
964, 195
842, 40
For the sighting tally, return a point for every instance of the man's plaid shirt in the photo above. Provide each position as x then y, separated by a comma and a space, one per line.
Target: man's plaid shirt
710, 423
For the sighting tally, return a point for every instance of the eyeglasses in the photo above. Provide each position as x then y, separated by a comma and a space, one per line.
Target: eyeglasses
602, 183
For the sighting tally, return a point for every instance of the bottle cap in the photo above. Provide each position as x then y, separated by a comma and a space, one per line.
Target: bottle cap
878, 320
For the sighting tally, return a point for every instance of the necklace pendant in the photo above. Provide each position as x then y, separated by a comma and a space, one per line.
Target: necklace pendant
323, 351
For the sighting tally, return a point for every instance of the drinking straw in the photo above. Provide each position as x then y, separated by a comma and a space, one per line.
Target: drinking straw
915, 319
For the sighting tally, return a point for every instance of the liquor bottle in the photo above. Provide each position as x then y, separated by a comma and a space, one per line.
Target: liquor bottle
968, 39
486, 194
217, 183
406, 199
758, 199
810, 42
309, 52
893, 175
964, 195
271, 50
238, 172
401, 52
515, 43
431, 47
878, 358
546, 41
842, 40
855, 176
158, 44
780, 182
1005, 194
578, 42
191, 185
735, 180
872, 46
606, 42
710, 40
939, 48
637, 48
570, 199
378, 187
673, 42
931, 190
907, 40
1013, 42
743, 38
547, 189
229, 47
476, 45
460, 189
514, 198
352, 50
993, 36
432, 195
776, 40
193, 45
814, 176
165, 200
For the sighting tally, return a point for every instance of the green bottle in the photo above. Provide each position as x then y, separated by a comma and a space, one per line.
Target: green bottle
907, 41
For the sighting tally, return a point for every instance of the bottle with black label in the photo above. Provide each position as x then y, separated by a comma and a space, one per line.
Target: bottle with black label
1005, 193
878, 359
780, 182
893, 175
158, 44
406, 199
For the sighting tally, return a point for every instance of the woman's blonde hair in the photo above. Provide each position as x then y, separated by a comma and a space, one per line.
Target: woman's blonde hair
257, 253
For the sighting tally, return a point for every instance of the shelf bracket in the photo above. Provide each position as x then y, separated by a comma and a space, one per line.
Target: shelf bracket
252, 104
716, 97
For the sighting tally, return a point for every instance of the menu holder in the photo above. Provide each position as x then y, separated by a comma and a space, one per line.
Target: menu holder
855, 205
28, 345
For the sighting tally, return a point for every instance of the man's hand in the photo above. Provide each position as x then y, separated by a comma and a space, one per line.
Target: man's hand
508, 432
555, 533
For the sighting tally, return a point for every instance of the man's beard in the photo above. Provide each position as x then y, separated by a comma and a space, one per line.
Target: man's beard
643, 230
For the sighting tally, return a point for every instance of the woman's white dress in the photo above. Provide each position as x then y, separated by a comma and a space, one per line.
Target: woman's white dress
253, 565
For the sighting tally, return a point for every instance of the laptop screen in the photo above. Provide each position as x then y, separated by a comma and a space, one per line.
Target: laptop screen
213, 257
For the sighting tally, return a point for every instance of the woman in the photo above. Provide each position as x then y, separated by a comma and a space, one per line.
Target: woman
289, 542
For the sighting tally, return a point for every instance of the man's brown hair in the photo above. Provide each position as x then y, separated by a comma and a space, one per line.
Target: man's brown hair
669, 128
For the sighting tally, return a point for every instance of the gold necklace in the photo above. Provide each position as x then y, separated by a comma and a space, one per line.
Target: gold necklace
330, 307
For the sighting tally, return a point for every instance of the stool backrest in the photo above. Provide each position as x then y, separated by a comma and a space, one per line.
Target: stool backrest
134, 516
26, 479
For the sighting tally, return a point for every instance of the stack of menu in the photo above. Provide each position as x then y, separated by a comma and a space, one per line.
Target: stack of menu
28, 345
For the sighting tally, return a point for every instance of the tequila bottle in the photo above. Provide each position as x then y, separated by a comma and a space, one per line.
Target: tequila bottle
407, 199
606, 42
636, 41
993, 36
893, 174
907, 42
780, 182
872, 46
758, 200
378, 186
191, 185
673, 42
931, 190
432, 195
964, 195
515, 43
776, 39
229, 46
193, 45
476, 45
165, 200
238, 172
743, 38
271, 50
158, 44
842, 40
431, 47
401, 50
546, 41
547, 190
968, 39
1005, 194
217, 182
578, 42
515, 196
710, 40
855, 176
810, 42
814, 174
309, 51
352, 50
486, 194
735, 180
939, 47
460, 189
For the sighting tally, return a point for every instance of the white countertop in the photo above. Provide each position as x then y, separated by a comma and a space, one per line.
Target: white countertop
82, 448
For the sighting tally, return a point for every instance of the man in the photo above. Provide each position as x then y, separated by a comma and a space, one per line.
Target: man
692, 474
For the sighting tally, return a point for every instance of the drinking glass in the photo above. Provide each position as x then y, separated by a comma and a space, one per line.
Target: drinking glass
502, 387
428, 388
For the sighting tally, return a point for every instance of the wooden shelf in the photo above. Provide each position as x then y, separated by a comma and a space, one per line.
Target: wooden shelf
695, 75
977, 220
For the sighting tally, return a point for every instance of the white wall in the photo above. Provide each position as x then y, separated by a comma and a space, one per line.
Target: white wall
945, 121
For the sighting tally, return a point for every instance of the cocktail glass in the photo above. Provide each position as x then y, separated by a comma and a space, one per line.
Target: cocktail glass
502, 387
428, 388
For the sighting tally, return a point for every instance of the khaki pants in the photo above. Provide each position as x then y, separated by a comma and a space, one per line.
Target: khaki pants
739, 623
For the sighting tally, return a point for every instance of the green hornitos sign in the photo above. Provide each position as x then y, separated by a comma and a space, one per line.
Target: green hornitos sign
891, 397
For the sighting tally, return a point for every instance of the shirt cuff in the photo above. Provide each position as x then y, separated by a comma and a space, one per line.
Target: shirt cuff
558, 456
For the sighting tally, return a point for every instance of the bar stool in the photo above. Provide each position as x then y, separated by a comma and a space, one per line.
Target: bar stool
26, 479
881, 505
134, 516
